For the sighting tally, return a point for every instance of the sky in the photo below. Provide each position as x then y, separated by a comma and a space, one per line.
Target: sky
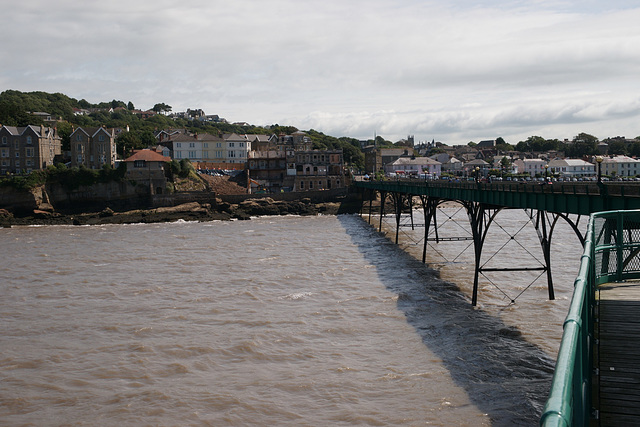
450, 70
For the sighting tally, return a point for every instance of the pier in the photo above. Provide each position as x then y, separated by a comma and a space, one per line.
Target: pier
596, 380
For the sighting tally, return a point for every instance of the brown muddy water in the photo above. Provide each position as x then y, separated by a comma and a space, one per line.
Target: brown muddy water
301, 321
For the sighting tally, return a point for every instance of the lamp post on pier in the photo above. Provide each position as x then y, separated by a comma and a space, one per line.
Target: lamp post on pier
546, 173
599, 162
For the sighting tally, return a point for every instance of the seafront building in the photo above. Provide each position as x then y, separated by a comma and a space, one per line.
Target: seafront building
289, 163
147, 168
29, 148
93, 147
620, 166
571, 168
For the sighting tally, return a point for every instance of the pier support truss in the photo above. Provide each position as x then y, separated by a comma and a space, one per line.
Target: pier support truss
481, 216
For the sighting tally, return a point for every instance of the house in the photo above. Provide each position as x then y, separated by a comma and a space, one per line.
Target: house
28, 148
453, 166
621, 166
236, 148
316, 170
489, 143
199, 147
476, 168
288, 163
147, 167
93, 147
415, 166
571, 168
532, 167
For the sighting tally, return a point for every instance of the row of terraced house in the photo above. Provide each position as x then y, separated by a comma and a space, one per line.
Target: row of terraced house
274, 163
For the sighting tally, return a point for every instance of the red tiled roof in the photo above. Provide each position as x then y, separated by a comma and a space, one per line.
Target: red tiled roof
148, 155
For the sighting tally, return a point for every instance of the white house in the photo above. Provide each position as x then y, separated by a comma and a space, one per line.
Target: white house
198, 147
622, 166
415, 166
572, 168
237, 148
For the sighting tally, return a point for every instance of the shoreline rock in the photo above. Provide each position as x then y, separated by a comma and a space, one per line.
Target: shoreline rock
191, 211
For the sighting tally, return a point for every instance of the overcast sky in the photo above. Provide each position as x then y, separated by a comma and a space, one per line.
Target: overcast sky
450, 70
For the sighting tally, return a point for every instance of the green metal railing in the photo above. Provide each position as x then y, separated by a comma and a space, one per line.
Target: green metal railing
610, 254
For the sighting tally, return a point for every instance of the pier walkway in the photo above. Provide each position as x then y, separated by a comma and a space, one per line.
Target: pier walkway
597, 376
617, 354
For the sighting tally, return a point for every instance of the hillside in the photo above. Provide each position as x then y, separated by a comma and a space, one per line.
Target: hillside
224, 185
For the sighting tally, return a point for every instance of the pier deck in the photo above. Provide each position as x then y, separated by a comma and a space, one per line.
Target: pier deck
618, 354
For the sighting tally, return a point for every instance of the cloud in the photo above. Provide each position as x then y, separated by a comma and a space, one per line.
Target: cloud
452, 71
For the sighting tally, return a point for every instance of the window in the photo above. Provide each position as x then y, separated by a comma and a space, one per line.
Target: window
241, 144
218, 144
29, 152
4, 153
139, 163
205, 145
4, 140
302, 185
178, 154
78, 137
310, 185
79, 158
29, 140
79, 148
28, 162
16, 144
17, 154
231, 154
192, 145
100, 138
178, 144
17, 164
231, 144
192, 154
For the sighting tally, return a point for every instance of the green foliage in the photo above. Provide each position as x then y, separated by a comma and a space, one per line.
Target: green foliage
350, 147
582, 145
25, 183
186, 169
161, 108
69, 178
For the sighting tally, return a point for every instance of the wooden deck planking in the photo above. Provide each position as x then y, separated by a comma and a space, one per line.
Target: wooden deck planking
618, 332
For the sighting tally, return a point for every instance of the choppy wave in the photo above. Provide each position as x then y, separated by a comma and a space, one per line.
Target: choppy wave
248, 323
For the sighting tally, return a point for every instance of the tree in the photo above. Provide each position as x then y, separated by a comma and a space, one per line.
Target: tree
505, 165
582, 145
130, 106
617, 147
161, 108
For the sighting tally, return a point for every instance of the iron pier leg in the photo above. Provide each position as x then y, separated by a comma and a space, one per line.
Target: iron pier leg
398, 202
545, 241
429, 207
383, 197
411, 211
476, 213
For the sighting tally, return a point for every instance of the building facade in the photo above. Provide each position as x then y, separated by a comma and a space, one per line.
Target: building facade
572, 168
93, 147
620, 166
200, 147
148, 168
25, 149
